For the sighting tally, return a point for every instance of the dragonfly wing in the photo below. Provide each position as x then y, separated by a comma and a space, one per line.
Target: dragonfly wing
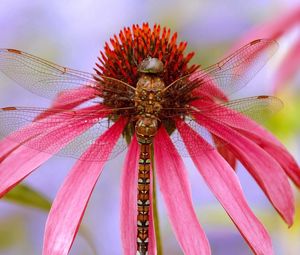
88, 138
258, 108
179, 143
47, 79
230, 74
76, 130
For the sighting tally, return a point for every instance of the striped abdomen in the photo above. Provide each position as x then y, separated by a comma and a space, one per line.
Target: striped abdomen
143, 199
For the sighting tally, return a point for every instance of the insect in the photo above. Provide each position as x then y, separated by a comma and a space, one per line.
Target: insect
145, 106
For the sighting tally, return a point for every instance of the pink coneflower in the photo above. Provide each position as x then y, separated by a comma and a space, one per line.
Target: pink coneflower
144, 94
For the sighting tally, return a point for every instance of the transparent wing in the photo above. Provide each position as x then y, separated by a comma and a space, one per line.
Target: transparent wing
230, 74
88, 138
76, 129
48, 79
258, 108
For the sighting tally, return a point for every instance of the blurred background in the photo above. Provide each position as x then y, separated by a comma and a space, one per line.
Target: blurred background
71, 33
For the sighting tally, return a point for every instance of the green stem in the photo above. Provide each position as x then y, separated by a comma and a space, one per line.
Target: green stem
155, 211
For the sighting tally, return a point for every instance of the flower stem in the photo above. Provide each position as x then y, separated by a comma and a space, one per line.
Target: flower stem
155, 211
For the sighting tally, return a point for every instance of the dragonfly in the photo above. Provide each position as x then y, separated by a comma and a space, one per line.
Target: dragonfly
146, 106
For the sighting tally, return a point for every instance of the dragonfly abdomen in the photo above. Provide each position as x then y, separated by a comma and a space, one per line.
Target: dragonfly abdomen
143, 199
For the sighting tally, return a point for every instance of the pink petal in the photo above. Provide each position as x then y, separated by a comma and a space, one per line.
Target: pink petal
224, 151
129, 204
70, 203
22, 160
225, 185
175, 189
129, 199
266, 171
17, 138
262, 137
289, 65
280, 154
26, 133
74, 97
70, 99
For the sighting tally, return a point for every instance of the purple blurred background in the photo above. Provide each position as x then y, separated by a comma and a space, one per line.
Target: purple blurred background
71, 33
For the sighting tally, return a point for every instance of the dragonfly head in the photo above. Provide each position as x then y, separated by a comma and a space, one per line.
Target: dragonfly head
151, 66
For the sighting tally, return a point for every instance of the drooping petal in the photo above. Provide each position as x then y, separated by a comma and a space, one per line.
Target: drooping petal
74, 97
70, 203
289, 65
225, 152
280, 154
17, 138
261, 136
129, 204
22, 160
129, 199
70, 99
225, 185
175, 189
266, 171
39, 126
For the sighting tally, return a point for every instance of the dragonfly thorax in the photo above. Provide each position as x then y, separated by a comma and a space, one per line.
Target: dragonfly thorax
146, 129
148, 100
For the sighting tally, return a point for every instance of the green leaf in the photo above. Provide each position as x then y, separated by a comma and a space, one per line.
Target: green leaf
25, 195
12, 233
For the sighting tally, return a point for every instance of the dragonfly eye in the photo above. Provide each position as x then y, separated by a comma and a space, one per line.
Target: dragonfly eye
151, 65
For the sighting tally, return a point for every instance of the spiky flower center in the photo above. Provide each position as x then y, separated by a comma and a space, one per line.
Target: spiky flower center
121, 58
